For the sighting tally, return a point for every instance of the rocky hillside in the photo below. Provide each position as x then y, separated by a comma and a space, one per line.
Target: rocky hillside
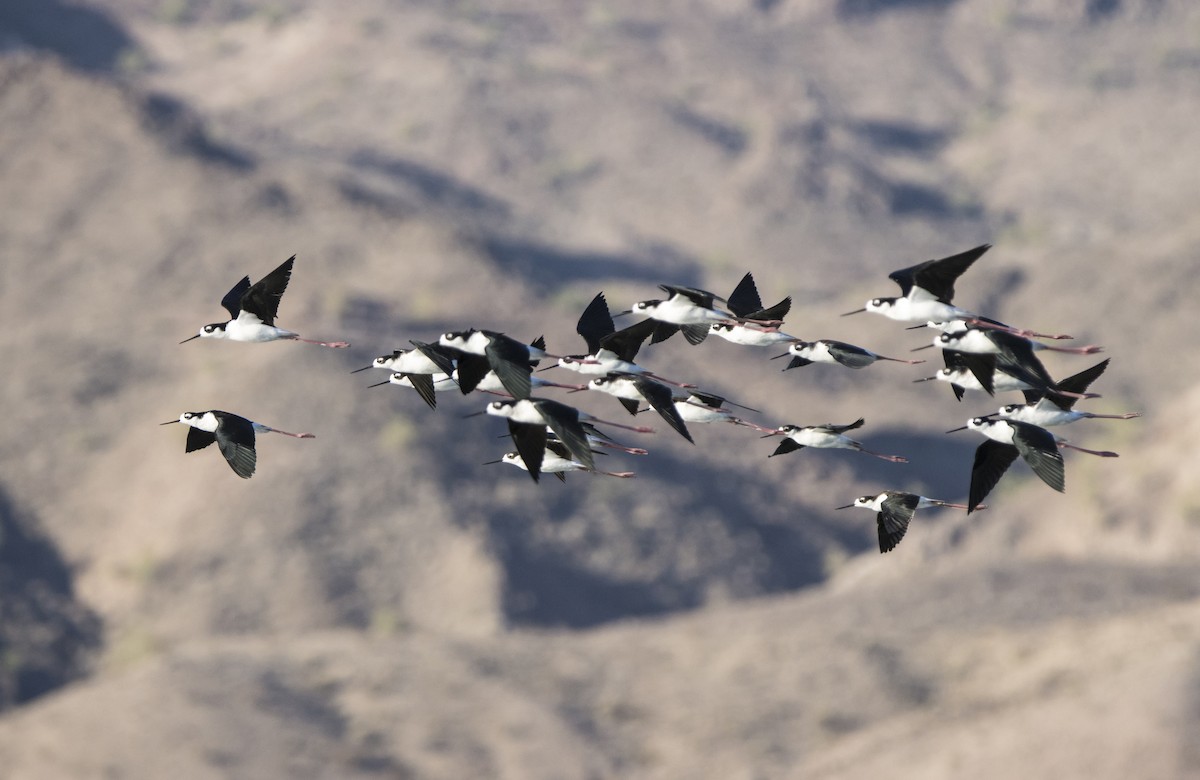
377, 603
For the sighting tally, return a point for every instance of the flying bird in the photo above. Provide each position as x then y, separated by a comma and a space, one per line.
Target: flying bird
234, 436
824, 436
253, 308
829, 351
1006, 439
895, 511
926, 289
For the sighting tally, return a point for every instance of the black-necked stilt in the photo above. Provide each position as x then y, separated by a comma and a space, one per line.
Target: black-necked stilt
829, 351
426, 385
926, 289
422, 359
253, 308
824, 436
895, 510
698, 407
528, 419
1046, 409
745, 302
991, 340
691, 310
557, 460
615, 353
510, 359
490, 383
632, 389
234, 435
1006, 439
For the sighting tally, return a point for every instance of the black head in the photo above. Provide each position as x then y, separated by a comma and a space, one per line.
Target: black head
1009, 409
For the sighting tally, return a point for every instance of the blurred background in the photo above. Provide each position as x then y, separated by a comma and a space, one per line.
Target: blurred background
376, 603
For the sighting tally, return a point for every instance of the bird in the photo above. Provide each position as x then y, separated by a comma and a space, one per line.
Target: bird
824, 436
963, 337
510, 359
1050, 408
426, 385
895, 510
557, 460
744, 301
1006, 439
614, 353
422, 359
234, 436
926, 289
690, 309
632, 389
829, 351
528, 419
699, 407
253, 308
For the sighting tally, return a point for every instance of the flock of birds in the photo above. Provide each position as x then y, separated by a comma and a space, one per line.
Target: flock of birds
553, 437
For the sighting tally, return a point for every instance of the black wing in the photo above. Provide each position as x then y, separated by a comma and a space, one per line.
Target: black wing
631, 406
695, 295
843, 428
744, 299
893, 519
510, 360
937, 276
233, 299
797, 362
198, 439
1039, 449
531, 445
471, 371
235, 437
662, 400
982, 367
992, 459
776, 312
564, 421
708, 399
626, 342
663, 331
262, 298
786, 446
695, 333
1077, 383
437, 354
423, 384
595, 323
849, 355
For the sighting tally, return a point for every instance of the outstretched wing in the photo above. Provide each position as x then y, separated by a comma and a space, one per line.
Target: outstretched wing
893, 519
992, 459
531, 446
744, 299
595, 323
235, 437
937, 277
626, 342
661, 400
1039, 449
786, 446
510, 360
198, 439
849, 355
233, 299
262, 298
843, 428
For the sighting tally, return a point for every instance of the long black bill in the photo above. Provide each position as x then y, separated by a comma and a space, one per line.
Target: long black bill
856, 311
168, 422
187, 340
364, 368
927, 346
956, 430
926, 379
847, 506
380, 384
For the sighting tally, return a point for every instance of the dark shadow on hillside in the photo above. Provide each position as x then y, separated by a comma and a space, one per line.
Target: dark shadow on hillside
86, 38
182, 131
409, 183
853, 8
545, 267
46, 634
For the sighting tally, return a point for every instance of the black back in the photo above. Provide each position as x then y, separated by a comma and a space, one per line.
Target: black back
661, 400
849, 355
531, 446
1040, 450
233, 299
509, 358
695, 295
626, 342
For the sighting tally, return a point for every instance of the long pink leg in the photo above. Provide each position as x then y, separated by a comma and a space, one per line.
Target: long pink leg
333, 344
634, 428
286, 433
755, 426
899, 360
1090, 349
891, 458
1126, 416
1101, 453
621, 474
